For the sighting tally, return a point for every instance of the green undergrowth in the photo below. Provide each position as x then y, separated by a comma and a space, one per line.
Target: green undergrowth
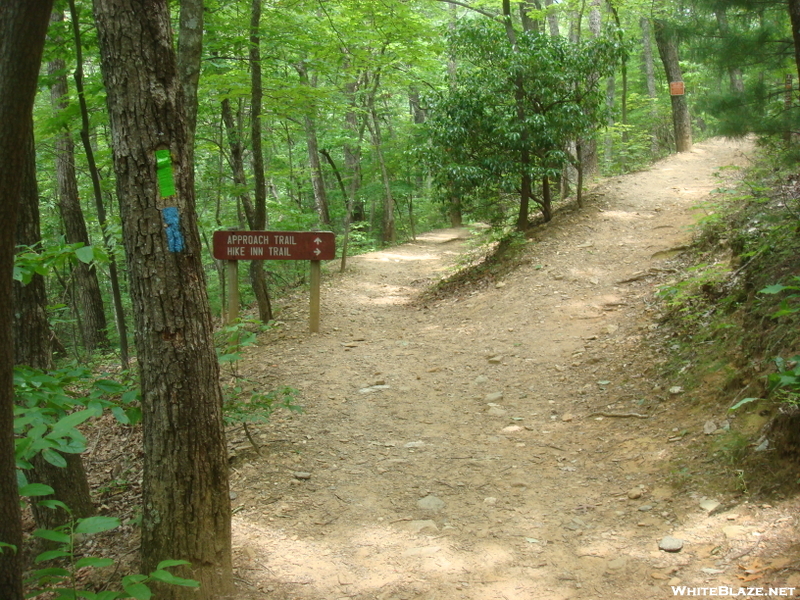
731, 331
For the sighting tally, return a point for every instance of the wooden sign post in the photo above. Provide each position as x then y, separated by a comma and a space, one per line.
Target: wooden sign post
315, 246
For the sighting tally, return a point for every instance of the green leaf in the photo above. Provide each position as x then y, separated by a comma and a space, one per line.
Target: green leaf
138, 590
108, 595
165, 564
4, 545
50, 555
36, 489
85, 254
96, 524
54, 458
68, 423
120, 414
50, 572
52, 535
774, 289
167, 577
93, 561
54, 504
742, 402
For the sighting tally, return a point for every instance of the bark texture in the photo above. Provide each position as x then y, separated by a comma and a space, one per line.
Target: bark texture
23, 24
794, 17
32, 337
186, 506
33, 347
258, 220
668, 51
86, 296
94, 173
190, 51
317, 180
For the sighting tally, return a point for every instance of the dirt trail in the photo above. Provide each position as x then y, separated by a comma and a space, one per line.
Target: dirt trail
457, 451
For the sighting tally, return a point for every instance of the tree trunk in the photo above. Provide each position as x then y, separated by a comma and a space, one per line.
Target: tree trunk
113, 274
608, 150
552, 18
529, 24
259, 218
389, 234
547, 200
70, 486
86, 296
794, 17
32, 344
22, 30
185, 492
650, 79
355, 122
317, 181
32, 336
526, 182
589, 164
668, 51
454, 205
734, 73
190, 52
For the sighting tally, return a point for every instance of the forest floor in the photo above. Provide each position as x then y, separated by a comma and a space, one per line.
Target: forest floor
515, 441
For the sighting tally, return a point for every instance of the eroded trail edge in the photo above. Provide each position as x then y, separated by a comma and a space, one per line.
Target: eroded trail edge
509, 444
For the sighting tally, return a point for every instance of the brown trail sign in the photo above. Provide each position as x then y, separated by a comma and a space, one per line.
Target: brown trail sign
274, 245
234, 246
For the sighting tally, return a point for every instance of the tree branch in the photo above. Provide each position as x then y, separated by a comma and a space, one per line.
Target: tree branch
485, 13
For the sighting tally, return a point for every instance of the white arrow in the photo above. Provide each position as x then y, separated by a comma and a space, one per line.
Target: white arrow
317, 251
317, 241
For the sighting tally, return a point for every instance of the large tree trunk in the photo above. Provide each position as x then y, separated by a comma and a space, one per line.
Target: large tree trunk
32, 343
86, 295
22, 30
668, 50
186, 506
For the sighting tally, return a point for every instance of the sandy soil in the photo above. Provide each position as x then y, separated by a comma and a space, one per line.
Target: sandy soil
513, 443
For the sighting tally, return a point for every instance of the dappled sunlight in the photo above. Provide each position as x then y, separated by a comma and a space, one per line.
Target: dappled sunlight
376, 559
390, 256
383, 294
621, 215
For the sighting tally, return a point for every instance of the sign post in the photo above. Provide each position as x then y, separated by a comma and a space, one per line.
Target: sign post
232, 271
316, 246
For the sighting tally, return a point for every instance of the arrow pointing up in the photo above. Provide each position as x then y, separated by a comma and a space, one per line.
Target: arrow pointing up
317, 241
